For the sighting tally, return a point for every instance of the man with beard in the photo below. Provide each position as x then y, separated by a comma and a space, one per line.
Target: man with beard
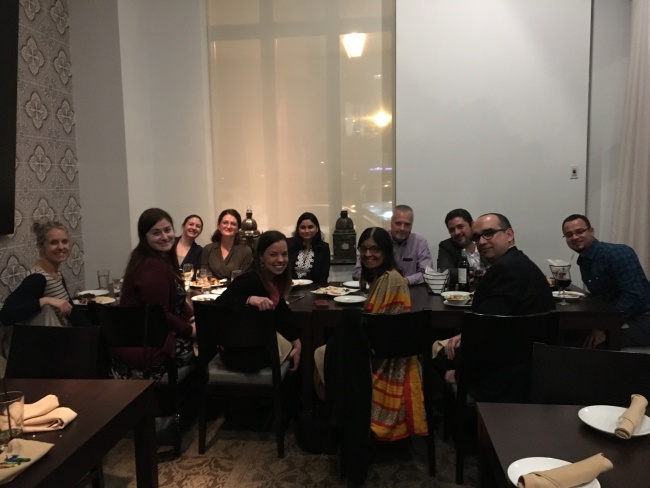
459, 224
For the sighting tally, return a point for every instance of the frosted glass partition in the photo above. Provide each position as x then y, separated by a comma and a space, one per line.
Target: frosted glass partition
297, 124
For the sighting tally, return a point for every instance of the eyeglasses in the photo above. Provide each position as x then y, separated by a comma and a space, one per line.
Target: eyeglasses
577, 232
372, 250
486, 234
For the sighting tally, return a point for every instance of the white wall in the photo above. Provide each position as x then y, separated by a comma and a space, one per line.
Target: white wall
611, 47
492, 107
99, 115
140, 73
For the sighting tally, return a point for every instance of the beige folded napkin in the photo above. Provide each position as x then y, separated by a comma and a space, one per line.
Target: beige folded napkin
41, 407
632, 417
55, 420
46, 415
438, 346
22, 449
567, 476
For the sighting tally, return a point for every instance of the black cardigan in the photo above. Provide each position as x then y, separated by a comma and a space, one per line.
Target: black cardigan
320, 269
23, 303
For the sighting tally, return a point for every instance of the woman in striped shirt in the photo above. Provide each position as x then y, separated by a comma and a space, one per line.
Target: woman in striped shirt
42, 298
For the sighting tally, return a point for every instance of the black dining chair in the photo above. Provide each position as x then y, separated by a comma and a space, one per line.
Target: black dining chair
42, 352
145, 327
38, 351
220, 326
494, 363
576, 376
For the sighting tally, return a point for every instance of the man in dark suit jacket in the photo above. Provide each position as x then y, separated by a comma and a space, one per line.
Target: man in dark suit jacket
459, 224
512, 285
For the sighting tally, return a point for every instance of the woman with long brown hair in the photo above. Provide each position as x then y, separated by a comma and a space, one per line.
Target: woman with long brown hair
152, 277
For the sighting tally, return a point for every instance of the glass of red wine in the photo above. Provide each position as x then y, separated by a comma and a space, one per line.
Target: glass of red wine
562, 275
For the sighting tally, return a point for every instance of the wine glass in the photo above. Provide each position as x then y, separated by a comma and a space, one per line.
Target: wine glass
477, 275
188, 272
562, 275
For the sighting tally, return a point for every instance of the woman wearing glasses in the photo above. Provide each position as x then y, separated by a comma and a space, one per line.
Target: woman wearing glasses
226, 253
401, 413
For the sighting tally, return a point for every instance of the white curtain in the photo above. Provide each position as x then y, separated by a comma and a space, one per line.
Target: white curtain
632, 206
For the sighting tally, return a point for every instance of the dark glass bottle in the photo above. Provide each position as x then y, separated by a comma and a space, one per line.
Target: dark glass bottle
463, 272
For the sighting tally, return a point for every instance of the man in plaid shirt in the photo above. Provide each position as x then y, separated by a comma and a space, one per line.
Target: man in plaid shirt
613, 272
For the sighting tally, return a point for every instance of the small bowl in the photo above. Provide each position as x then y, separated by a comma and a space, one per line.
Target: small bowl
457, 297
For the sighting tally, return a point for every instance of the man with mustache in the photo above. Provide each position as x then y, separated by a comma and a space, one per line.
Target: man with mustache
613, 272
459, 224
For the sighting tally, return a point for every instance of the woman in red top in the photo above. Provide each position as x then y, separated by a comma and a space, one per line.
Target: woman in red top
152, 277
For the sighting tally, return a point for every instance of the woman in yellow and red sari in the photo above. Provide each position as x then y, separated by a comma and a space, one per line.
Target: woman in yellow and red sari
397, 409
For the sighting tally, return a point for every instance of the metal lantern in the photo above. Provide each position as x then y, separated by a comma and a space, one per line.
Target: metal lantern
345, 239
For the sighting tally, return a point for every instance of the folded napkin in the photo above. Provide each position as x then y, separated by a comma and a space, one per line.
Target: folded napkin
19, 455
567, 476
46, 415
632, 417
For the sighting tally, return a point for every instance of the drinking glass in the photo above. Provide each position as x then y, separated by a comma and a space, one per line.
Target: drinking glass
477, 274
234, 274
117, 287
188, 272
12, 405
562, 275
103, 278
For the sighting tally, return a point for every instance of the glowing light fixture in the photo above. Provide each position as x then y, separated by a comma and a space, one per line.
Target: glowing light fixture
381, 119
353, 44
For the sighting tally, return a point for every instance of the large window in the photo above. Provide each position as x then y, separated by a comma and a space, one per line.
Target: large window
298, 124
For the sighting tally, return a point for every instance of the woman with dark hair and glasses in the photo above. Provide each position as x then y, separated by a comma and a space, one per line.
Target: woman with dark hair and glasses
186, 249
265, 287
309, 255
397, 403
152, 277
226, 253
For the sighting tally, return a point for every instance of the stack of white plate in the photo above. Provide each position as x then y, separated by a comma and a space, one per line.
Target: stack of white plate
435, 280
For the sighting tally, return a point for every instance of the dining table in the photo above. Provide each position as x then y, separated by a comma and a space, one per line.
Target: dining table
317, 322
509, 432
106, 411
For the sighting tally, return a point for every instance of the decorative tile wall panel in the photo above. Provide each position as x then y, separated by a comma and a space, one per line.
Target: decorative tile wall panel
47, 170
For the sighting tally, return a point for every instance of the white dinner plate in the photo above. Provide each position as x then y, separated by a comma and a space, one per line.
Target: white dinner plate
446, 294
218, 291
528, 465
570, 295
605, 419
97, 293
352, 284
334, 291
104, 300
207, 297
466, 304
302, 282
350, 299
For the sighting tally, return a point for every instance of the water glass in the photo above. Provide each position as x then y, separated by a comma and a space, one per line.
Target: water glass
12, 407
234, 274
117, 287
103, 278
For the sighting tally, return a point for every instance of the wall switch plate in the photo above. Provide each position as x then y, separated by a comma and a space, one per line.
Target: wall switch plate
574, 172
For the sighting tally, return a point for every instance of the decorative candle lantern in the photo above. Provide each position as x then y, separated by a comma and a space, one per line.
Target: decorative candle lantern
345, 239
248, 232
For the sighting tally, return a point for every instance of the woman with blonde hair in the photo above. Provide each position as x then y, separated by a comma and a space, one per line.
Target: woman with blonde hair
42, 298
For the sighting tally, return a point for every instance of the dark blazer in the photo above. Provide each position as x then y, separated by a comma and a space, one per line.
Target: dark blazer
320, 269
23, 303
513, 285
448, 258
250, 284
192, 257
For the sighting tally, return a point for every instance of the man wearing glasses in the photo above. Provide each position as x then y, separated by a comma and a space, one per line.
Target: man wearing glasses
512, 285
411, 251
613, 272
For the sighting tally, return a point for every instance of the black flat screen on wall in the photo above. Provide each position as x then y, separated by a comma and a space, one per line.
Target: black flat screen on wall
8, 83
